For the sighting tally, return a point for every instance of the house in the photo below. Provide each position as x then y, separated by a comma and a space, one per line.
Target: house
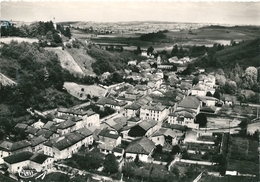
88, 134
208, 109
109, 137
157, 112
8, 148
165, 136
199, 90
66, 127
208, 101
142, 147
133, 62
132, 110
108, 102
190, 102
184, 117
16, 162
21, 127
228, 100
165, 66
133, 121
38, 125
144, 128
47, 134
157, 92
142, 89
51, 126
89, 118
39, 162
37, 143
132, 94
63, 147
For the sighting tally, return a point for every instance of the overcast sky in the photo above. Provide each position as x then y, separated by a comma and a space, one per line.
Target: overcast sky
207, 12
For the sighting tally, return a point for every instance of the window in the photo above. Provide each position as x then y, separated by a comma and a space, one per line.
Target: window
158, 138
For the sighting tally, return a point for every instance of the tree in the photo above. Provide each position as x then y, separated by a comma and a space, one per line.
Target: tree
174, 50
139, 51
195, 80
219, 71
176, 149
110, 164
117, 77
221, 80
201, 119
150, 50
216, 95
250, 77
230, 87
209, 94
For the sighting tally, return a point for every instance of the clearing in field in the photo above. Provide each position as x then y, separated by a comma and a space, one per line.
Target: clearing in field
67, 61
7, 40
82, 91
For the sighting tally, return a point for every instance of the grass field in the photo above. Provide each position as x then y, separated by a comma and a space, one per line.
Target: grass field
83, 60
67, 61
76, 90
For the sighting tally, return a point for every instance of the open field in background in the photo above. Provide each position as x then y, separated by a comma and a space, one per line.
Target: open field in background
204, 36
67, 61
83, 60
7, 40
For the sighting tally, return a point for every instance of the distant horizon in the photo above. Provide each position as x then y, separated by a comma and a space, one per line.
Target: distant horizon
231, 13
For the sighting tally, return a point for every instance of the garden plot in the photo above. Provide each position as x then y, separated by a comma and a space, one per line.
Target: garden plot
220, 122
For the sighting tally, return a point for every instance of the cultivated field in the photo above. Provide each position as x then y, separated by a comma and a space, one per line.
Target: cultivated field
243, 156
7, 40
67, 61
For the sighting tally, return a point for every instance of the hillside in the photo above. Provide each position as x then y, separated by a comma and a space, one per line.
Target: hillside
67, 62
83, 60
246, 54
39, 78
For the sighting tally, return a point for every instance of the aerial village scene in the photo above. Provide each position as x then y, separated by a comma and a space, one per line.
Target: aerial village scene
89, 94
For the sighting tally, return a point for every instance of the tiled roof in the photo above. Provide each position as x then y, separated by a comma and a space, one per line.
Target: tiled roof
85, 131
45, 133
154, 108
147, 125
140, 146
109, 134
39, 158
118, 150
66, 124
67, 140
21, 126
38, 140
20, 157
134, 119
133, 106
24, 156
50, 125
190, 102
20, 144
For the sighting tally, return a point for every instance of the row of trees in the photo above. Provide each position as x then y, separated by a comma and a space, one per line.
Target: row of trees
64, 31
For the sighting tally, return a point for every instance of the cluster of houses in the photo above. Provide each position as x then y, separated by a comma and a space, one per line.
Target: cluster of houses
141, 120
